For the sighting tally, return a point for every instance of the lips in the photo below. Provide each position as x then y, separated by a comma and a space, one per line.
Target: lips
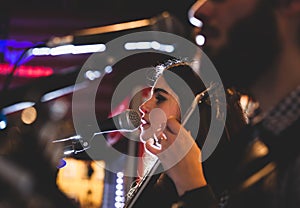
144, 123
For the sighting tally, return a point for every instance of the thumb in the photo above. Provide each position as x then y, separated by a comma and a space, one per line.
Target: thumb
151, 147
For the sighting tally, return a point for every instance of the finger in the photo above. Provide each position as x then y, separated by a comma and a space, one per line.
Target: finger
151, 147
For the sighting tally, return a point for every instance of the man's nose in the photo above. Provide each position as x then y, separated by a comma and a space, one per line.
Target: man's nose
199, 12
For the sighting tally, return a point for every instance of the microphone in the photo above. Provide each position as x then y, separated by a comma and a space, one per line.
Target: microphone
127, 121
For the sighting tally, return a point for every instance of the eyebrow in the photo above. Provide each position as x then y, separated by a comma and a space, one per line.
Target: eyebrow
156, 90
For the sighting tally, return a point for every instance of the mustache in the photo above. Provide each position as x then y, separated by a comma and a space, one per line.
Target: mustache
209, 31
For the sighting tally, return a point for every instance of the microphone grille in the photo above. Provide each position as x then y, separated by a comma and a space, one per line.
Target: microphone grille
134, 117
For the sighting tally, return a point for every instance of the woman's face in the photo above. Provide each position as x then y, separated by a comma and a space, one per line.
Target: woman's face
162, 104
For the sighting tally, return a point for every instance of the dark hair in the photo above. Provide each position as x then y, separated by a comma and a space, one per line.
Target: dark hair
235, 120
177, 72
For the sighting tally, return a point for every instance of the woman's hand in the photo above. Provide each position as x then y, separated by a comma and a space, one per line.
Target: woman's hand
179, 155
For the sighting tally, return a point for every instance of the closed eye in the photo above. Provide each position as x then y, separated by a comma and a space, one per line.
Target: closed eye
159, 95
160, 98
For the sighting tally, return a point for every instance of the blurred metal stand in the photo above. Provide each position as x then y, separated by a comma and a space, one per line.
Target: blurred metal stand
164, 22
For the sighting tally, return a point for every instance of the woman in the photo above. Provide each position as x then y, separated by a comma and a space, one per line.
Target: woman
176, 85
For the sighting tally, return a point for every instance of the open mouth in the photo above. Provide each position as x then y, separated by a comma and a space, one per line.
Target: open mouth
144, 123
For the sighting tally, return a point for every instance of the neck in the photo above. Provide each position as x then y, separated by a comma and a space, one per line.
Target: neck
278, 82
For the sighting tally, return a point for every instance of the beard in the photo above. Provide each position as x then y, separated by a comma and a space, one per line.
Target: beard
298, 35
252, 48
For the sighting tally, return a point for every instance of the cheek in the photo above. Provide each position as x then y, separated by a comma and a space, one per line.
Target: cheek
229, 14
232, 12
157, 119
158, 116
177, 111
173, 110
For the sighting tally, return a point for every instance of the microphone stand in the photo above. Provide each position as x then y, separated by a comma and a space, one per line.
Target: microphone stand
76, 144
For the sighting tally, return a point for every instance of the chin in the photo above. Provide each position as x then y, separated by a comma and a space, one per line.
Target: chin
143, 138
146, 134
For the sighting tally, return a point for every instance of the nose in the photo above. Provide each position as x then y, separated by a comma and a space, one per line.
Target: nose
145, 107
199, 12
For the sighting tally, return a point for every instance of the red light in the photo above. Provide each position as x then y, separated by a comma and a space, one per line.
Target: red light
27, 71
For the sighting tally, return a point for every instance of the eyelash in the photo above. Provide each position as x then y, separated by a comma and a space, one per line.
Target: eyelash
159, 99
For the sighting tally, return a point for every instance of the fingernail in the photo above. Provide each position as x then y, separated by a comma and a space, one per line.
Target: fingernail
151, 141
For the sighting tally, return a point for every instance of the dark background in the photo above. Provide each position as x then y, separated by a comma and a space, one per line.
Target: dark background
35, 20
26, 23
